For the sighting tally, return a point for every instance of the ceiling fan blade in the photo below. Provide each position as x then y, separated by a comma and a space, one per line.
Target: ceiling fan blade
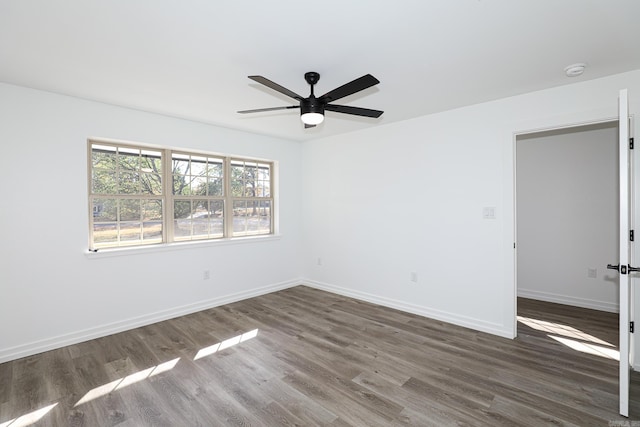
275, 86
259, 110
356, 111
347, 89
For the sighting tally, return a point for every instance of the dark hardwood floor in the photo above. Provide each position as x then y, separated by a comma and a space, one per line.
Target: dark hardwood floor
306, 357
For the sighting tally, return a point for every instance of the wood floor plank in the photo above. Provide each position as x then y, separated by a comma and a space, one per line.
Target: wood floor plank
520, 414
6, 383
305, 357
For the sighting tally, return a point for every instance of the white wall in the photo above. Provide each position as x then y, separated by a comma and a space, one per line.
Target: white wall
567, 216
374, 205
409, 197
51, 292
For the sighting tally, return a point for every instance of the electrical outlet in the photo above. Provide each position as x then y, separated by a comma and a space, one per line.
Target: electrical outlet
592, 273
414, 277
205, 275
319, 262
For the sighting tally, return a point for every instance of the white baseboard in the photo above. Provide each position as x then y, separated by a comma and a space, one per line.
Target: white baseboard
569, 300
59, 341
467, 322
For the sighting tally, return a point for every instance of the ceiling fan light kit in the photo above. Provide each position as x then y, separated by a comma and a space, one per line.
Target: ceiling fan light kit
312, 118
312, 108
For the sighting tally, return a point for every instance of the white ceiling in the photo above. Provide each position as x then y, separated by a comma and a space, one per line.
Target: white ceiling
191, 58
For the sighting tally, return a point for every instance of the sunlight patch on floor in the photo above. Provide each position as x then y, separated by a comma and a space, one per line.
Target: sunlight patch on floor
136, 377
30, 418
584, 347
121, 383
207, 351
573, 338
562, 330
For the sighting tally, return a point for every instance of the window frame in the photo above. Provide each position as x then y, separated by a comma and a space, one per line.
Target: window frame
169, 189
168, 198
232, 199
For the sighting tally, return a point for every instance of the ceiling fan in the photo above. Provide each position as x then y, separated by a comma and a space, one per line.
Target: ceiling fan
312, 108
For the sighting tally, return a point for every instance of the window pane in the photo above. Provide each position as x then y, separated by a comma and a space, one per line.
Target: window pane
200, 218
240, 218
105, 210
215, 168
152, 220
151, 161
105, 234
216, 218
180, 164
181, 209
181, 186
251, 217
249, 179
182, 219
151, 183
104, 182
130, 232
198, 166
128, 183
250, 175
214, 187
262, 189
152, 232
199, 185
237, 179
123, 170
130, 210
105, 226
264, 171
103, 157
129, 159
152, 210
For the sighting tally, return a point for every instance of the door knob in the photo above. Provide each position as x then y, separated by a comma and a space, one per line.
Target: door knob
623, 269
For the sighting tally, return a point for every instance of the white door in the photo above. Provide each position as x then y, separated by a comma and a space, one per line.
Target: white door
625, 250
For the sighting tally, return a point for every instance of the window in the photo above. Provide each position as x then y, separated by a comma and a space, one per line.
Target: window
198, 196
144, 196
250, 195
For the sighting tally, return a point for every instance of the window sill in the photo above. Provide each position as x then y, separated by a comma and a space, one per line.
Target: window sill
168, 247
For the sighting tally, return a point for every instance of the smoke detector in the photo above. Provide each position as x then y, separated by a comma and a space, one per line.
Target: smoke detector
574, 70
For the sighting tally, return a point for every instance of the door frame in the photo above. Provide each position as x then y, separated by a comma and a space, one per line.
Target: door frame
625, 257
560, 127
634, 185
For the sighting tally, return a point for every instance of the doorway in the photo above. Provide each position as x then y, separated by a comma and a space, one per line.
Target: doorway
567, 215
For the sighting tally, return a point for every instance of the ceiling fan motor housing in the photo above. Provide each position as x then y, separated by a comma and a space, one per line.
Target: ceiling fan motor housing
311, 105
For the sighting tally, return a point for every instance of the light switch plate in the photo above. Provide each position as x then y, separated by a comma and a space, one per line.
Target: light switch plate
489, 212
